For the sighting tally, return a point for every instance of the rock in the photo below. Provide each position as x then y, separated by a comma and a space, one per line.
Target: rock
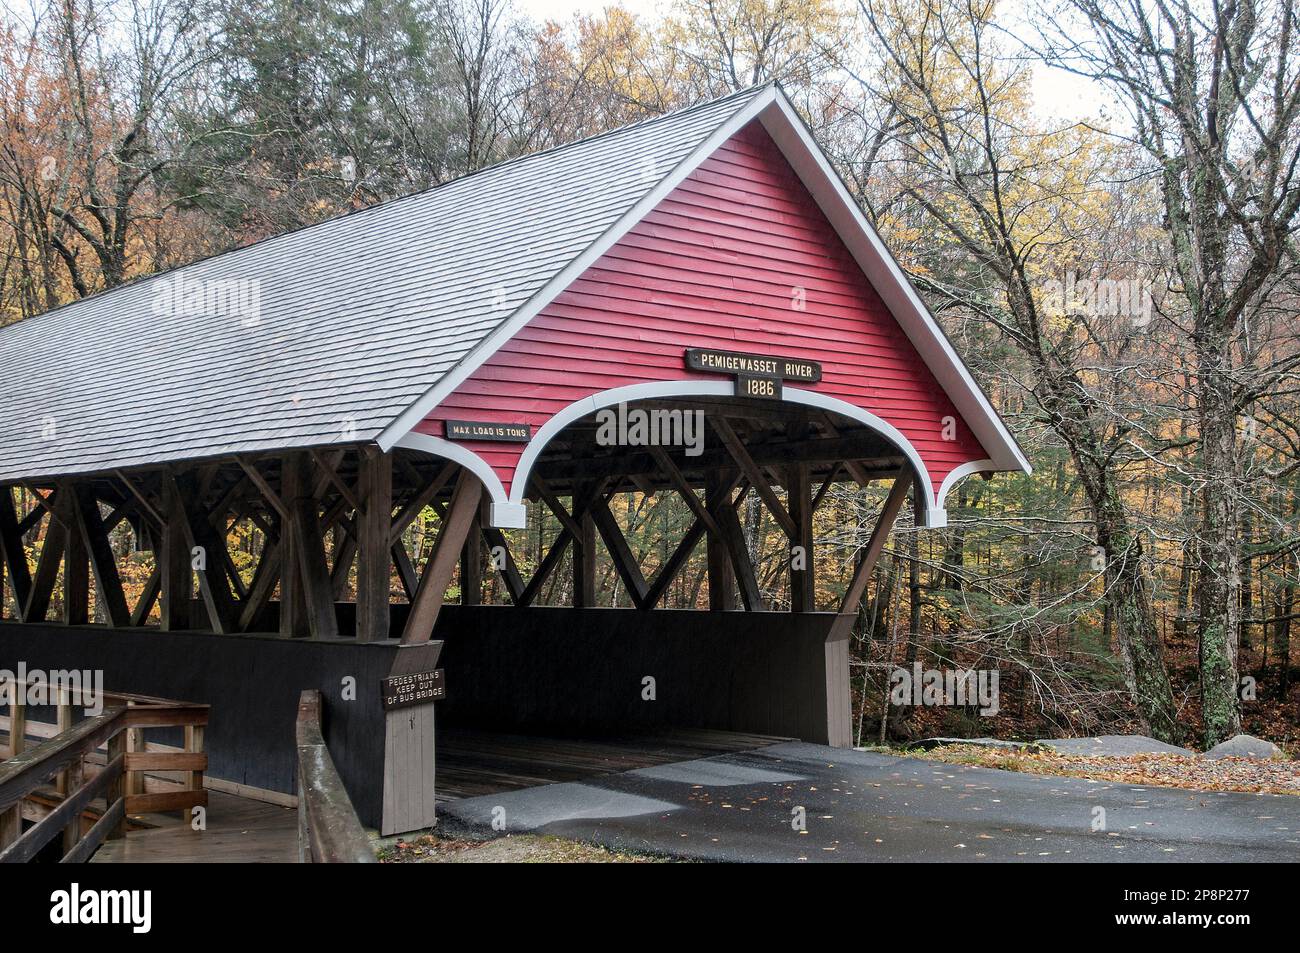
1244, 746
1113, 746
926, 744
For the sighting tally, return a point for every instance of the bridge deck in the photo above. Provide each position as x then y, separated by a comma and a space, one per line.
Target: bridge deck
241, 830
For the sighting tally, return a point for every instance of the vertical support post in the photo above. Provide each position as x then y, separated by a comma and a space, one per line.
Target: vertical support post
14, 553
471, 561
803, 593
584, 554
722, 584
76, 581
374, 552
194, 740
64, 717
17, 722
293, 604
135, 744
11, 820
116, 787
177, 571
73, 778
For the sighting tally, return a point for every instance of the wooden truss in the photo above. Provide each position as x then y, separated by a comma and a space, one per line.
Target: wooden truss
332, 521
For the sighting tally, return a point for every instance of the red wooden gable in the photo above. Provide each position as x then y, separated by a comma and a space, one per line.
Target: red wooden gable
738, 257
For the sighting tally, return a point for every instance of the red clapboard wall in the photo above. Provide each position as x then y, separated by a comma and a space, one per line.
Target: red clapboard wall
716, 265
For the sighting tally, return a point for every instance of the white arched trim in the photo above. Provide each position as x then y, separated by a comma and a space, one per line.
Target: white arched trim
667, 389
957, 475
505, 514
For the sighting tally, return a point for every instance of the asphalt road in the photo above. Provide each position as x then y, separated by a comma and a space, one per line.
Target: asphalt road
859, 806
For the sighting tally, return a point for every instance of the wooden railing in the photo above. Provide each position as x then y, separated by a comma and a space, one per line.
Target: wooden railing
328, 829
62, 776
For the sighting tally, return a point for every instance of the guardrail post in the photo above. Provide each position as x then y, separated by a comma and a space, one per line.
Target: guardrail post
117, 787
11, 821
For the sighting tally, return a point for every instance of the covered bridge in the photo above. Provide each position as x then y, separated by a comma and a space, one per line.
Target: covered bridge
456, 349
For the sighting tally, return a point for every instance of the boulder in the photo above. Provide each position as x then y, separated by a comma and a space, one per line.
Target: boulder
926, 744
1113, 746
1244, 746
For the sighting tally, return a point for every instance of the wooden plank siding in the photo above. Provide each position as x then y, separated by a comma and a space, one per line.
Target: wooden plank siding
716, 265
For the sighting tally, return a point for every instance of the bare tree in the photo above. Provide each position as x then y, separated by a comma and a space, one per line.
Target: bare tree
1212, 92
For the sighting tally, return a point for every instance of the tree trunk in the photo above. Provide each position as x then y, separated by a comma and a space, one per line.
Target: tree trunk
1220, 576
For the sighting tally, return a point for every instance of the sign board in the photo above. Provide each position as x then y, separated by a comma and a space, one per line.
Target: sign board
485, 430
754, 365
417, 688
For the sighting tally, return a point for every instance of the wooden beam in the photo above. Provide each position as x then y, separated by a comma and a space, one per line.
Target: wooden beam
144, 605
308, 548
406, 516
683, 488
143, 500
13, 550
406, 573
76, 573
733, 538
47, 565
268, 492
329, 468
722, 582
293, 604
625, 563
173, 556
345, 554
867, 559
374, 528
554, 505
544, 569
265, 578
584, 563
317, 587
755, 475
442, 560
803, 593
826, 485
199, 533
510, 575
471, 561
673, 567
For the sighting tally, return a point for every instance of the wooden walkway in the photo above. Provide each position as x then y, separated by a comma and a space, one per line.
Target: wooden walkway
240, 830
